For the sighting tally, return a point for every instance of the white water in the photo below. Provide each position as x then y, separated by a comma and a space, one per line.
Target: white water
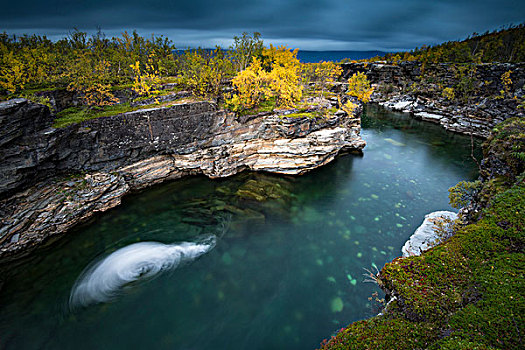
103, 280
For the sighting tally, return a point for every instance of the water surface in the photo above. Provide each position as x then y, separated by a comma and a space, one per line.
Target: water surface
285, 269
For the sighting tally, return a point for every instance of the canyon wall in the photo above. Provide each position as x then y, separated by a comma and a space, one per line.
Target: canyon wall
478, 103
52, 179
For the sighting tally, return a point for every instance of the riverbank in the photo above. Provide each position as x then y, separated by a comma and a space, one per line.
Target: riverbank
463, 98
465, 293
54, 179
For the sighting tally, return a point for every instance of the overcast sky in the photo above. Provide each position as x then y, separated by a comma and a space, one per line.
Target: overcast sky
386, 25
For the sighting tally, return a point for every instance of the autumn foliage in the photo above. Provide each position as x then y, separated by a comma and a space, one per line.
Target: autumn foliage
203, 71
321, 75
359, 87
90, 78
95, 67
274, 76
146, 79
251, 87
86, 65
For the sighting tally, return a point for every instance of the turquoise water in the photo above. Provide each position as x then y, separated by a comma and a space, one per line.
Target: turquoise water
282, 258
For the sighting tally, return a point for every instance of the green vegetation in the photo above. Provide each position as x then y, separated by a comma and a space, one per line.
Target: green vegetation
96, 70
263, 107
35, 62
467, 83
359, 87
73, 115
468, 292
505, 45
322, 75
203, 71
505, 146
244, 49
463, 193
92, 66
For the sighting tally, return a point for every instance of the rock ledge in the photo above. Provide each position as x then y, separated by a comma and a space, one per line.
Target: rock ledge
135, 150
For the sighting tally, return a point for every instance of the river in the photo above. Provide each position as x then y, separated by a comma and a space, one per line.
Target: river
255, 261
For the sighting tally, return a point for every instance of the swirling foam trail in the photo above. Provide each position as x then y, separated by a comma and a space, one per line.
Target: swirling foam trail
101, 281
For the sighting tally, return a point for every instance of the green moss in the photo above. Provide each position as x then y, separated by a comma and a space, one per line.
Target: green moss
302, 115
470, 287
383, 333
497, 318
267, 105
119, 87
458, 343
75, 115
158, 93
462, 194
466, 293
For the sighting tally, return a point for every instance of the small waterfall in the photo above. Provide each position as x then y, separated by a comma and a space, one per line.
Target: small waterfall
103, 280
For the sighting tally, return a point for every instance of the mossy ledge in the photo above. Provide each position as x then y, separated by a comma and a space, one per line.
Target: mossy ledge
466, 293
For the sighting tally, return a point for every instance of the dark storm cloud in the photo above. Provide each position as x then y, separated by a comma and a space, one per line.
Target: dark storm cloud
308, 24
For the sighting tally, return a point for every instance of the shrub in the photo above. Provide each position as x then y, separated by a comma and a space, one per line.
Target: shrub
280, 81
448, 93
463, 193
146, 79
359, 86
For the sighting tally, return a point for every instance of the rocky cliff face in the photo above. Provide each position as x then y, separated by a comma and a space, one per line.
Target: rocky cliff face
476, 107
112, 156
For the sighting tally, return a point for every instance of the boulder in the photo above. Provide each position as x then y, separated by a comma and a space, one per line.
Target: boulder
428, 234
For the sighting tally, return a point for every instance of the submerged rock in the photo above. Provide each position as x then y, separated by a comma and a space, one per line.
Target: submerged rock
429, 233
336, 305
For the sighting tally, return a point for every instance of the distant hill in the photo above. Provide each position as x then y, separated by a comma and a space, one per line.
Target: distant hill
306, 56
505, 45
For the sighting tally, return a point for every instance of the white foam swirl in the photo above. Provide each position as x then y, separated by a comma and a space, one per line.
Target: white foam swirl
102, 281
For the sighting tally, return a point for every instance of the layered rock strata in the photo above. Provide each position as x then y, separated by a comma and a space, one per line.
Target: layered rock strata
418, 90
115, 155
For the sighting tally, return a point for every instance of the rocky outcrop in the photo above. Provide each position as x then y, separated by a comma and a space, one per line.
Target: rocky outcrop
115, 155
24, 143
161, 99
436, 228
49, 209
31, 150
416, 89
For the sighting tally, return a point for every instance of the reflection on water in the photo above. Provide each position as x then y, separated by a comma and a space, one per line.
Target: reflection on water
288, 260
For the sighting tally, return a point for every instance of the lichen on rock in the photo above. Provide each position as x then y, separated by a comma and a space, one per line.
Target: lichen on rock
435, 227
